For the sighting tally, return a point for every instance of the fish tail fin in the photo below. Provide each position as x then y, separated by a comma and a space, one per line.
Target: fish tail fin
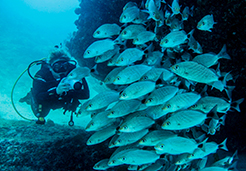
213, 113
234, 157
223, 145
237, 103
222, 120
229, 90
190, 34
223, 53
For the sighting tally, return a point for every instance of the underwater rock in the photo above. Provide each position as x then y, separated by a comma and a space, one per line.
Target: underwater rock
28, 146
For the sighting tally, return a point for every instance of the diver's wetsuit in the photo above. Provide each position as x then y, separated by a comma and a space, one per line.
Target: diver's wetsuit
44, 96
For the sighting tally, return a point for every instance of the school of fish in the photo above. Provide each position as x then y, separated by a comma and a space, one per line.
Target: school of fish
154, 114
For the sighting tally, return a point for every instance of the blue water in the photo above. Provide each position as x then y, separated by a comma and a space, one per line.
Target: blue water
28, 33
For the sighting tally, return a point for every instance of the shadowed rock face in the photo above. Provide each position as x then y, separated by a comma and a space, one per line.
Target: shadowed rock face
28, 146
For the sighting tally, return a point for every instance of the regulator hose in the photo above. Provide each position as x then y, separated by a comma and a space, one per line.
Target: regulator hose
12, 91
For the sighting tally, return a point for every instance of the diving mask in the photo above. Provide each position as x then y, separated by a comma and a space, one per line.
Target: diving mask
61, 66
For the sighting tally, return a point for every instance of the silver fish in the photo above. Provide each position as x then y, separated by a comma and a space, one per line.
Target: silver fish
208, 148
176, 145
114, 158
175, 7
173, 39
210, 59
83, 112
129, 14
131, 31
183, 159
136, 124
181, 101
154, 58
102, 100
78, 73
195, 72
139, 157
129, 4
137, 90
109, 79
100, 121
142, 18
195, 45
107, 31
126, 138
185, 13
131, 74
207, 103
123, 108
112, 61
153, 10
102, 135
107, 55
175, 24
98, 48
144, 37
206, 23
101, 165
184, 119
161, 95
156, 136
129, 56
155, 112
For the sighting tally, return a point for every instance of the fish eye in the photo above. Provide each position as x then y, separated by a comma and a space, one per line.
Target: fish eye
119, 140
124, 16
88, 51
121, 59
194, 106
90, 141
175, 67
150, 100
166, 41
112, 112
136, 39
92, 123
124, 127
124, 32
203, 23
89, 105
123, 158
118, 78
124, 94
113, 161
168, 123
98, 32
168, 106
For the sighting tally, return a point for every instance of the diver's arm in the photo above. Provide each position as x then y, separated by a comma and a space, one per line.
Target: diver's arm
41, 93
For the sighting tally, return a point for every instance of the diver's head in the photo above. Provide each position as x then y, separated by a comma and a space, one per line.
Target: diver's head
59, 61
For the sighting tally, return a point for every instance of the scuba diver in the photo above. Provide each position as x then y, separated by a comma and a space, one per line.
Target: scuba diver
49, 91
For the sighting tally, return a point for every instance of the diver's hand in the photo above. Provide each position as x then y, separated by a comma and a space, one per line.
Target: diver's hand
62, 87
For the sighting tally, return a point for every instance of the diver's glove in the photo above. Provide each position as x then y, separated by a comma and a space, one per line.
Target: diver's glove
63, 87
